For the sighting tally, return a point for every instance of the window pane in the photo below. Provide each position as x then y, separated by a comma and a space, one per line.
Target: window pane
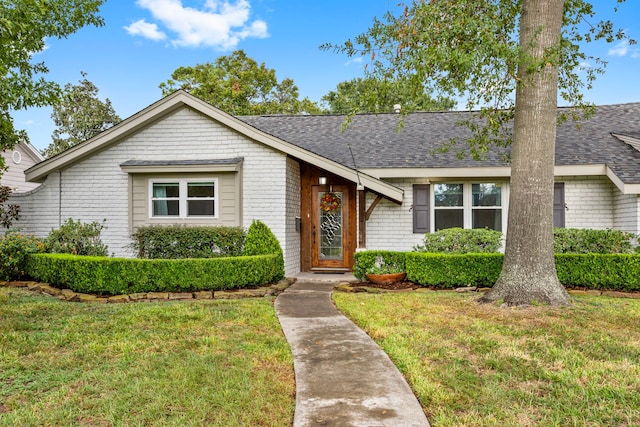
166, 208
200, 189
166, 190
200, 208
448, 194
487, 195
449, 218
487, 218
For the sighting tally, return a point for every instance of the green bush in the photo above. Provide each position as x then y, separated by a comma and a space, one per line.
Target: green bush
115, 276
74, 237
14, 248
454, 270
461, 241
599, 271
261, 241
593, 271
378, 262
583, 241
178, 242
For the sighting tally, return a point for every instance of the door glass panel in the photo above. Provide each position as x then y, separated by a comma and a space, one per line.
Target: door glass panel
330, 247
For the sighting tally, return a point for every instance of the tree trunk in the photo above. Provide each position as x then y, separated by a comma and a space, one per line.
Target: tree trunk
529, 272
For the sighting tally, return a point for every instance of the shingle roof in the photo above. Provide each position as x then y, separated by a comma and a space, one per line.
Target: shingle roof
377, 142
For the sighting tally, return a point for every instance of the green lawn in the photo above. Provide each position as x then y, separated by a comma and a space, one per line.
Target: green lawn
213, 363
473, 365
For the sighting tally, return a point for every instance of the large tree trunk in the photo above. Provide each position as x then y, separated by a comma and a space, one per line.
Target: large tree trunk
528, 273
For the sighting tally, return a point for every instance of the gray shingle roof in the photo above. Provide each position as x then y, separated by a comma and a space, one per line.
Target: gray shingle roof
377, 142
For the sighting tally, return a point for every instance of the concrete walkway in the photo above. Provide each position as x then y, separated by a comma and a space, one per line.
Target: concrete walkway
342, 377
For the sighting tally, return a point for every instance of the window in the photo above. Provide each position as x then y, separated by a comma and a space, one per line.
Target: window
468, 205
487, 206
183, 198
448, 206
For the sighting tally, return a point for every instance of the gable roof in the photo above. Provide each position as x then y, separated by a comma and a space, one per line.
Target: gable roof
373, 147
382, 149
181, 99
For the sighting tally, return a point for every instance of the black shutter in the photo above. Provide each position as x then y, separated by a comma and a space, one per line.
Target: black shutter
421, 208
558, 204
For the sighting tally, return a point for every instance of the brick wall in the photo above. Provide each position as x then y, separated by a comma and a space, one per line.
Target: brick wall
589, 201
96, 188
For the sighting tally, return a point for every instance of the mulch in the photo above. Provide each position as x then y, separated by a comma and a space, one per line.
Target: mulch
397, 286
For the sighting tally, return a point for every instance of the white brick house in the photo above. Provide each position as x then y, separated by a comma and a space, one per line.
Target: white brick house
324, 192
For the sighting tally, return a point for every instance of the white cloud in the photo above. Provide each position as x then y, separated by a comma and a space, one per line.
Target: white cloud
146, 30
220, 24
621, 49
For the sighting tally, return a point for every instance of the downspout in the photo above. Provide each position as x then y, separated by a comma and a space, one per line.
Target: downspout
59, 198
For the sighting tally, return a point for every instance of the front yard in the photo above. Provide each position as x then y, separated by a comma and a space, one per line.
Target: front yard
214, 363
479, 365
226, 363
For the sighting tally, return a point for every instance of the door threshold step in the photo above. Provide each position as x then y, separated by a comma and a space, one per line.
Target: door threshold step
330, 270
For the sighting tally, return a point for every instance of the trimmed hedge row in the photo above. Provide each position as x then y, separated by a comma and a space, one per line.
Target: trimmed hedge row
592, 271
115, 276
179, 241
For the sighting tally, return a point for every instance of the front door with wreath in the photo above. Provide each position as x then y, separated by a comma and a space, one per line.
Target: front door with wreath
330, 227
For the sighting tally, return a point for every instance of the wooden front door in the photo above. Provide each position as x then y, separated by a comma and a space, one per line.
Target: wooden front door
330, 227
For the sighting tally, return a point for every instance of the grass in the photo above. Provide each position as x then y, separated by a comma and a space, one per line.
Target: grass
214, 363
479, 365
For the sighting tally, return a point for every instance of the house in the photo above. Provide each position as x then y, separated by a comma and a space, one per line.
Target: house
18, 160
324, 192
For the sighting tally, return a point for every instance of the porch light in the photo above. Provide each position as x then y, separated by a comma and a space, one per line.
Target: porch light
322, 180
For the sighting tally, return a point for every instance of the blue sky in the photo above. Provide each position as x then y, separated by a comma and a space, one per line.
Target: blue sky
144, 41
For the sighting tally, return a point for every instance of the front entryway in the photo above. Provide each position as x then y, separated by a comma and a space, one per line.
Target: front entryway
327, 221
330, 220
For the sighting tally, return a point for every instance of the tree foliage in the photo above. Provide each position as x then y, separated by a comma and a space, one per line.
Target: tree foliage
24, 26
372, 95
239, 85
80, 115
470, 51
507, 58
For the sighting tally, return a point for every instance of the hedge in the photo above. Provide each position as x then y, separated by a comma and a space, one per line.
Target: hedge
179, 241
365, 261
115, 276
592, 271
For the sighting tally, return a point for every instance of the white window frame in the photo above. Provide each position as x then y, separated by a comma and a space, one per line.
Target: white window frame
467, 202
183, 199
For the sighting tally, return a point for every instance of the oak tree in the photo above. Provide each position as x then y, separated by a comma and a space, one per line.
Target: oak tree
239, 85
79, 115
24, 26
372, 95
510, 60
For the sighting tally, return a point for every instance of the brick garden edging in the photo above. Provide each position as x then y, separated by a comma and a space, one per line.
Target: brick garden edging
69, 295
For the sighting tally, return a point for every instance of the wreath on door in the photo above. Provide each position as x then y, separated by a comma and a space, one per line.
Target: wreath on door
330, 202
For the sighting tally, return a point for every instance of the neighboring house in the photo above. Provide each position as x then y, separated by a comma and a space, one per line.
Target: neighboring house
21, 158
324, 192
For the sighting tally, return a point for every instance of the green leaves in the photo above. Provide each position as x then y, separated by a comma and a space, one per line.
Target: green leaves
24, 26
80, 115
238, 85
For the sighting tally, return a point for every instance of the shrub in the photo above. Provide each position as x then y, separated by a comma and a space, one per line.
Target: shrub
262, 241
178, 242
582, 241
14, 249
592, 271
114, 276
454, 270
378, 262
74, 237
460, 241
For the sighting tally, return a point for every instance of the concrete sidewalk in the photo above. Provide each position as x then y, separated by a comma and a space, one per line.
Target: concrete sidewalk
342, 377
